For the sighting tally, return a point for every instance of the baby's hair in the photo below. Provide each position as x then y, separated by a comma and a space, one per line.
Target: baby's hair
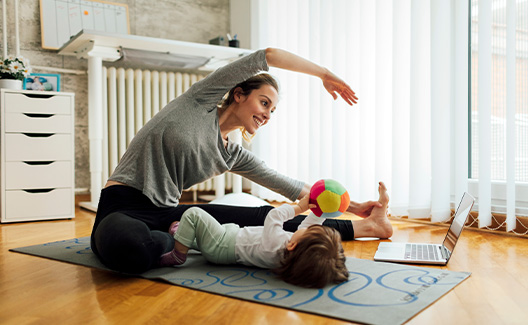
247, 87
317, 260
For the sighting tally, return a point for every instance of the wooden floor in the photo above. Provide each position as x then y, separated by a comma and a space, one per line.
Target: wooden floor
35, 290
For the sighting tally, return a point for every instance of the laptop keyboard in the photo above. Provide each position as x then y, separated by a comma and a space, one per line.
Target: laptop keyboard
427, 252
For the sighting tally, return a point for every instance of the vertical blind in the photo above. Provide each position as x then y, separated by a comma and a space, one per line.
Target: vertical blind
499, 108
407, 60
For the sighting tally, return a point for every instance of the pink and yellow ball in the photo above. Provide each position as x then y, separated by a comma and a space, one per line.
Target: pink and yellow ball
330, 197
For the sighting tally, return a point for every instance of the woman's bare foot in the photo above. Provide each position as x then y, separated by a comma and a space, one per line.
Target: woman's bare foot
377, 224
383, 195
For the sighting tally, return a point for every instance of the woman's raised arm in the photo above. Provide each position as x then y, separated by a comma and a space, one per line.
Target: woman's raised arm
333, 84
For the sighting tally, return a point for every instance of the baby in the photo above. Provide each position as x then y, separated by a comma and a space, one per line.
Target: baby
310, 257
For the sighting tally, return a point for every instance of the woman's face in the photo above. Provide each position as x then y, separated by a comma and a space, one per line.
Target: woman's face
255, 109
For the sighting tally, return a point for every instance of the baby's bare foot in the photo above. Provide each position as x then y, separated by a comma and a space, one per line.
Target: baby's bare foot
173, 227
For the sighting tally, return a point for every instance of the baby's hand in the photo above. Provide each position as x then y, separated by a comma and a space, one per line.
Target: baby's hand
304, 203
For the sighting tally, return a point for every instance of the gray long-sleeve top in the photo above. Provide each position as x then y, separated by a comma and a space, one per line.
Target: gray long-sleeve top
182, 146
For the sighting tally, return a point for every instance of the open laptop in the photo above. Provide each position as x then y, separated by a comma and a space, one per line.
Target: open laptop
421, 253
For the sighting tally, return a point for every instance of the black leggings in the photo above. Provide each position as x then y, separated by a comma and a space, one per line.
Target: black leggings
131, 233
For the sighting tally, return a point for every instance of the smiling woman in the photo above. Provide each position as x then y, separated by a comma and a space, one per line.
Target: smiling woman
250, 102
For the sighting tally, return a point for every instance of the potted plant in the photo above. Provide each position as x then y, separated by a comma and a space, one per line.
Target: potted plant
13, 70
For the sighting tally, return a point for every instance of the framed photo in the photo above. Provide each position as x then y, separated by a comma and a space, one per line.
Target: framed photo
42, 82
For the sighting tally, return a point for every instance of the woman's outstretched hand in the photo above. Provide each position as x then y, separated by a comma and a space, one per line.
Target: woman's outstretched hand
334, 85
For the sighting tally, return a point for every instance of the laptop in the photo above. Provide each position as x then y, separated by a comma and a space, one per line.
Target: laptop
422, 253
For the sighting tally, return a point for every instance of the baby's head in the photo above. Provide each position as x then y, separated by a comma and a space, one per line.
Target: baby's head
316, 259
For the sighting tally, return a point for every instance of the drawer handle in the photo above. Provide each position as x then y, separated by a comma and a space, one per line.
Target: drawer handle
39, 190
38, 135
38, 95
37, 163
36, 115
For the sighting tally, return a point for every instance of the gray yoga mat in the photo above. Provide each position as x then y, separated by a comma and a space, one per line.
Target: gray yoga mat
376, 293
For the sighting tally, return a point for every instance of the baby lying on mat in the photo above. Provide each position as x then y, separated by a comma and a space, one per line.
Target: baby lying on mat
310, 257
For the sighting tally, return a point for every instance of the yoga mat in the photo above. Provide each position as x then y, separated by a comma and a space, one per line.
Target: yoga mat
376, 292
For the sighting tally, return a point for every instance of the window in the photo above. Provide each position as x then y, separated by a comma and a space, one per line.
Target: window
500, 90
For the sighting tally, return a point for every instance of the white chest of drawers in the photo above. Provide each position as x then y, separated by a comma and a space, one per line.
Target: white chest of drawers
37, 155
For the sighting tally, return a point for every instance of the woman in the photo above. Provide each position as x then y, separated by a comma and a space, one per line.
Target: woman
186, 143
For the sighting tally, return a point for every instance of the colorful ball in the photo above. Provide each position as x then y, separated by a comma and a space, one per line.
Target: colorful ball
330, 197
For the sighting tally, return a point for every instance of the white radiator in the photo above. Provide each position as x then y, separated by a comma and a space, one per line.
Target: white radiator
130, 99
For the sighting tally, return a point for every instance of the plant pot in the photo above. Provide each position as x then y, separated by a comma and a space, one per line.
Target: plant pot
11, 84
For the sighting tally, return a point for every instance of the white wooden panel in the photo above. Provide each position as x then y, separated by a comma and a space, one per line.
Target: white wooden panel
37, 103
22, 205
38, 123
20, 175
20, 147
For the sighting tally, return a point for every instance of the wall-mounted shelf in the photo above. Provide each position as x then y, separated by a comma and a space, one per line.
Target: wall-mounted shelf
107, 46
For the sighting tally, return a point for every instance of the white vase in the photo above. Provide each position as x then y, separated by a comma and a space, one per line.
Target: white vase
11, 84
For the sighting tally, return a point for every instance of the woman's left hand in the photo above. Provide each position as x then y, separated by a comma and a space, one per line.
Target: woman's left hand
334, 84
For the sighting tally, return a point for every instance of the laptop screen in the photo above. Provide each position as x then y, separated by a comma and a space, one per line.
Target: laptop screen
459, 221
